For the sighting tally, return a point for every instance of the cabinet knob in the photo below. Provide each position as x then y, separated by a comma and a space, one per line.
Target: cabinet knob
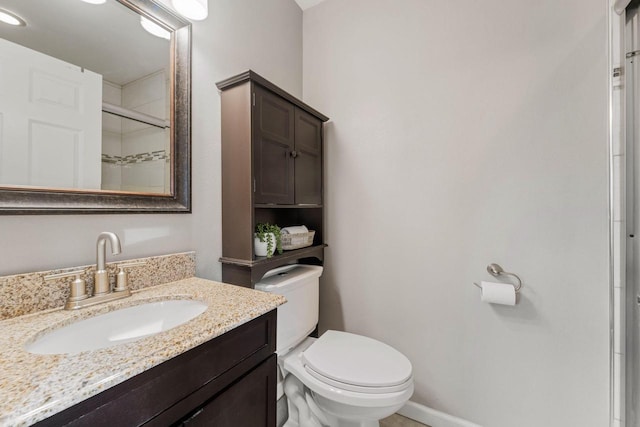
294, 154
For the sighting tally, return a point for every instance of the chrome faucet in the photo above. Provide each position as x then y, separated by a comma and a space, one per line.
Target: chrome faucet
101, 284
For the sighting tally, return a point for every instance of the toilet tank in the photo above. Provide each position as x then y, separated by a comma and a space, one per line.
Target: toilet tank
299, 315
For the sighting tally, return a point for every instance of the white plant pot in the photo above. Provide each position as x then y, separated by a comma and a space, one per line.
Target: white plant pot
260, 248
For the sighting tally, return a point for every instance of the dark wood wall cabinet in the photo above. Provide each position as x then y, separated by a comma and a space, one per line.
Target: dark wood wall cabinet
229, 381
271, 172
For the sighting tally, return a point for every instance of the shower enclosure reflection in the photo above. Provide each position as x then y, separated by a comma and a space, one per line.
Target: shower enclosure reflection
135, 151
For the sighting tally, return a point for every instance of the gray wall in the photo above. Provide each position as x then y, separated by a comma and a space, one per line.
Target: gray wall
237, 35
465, 133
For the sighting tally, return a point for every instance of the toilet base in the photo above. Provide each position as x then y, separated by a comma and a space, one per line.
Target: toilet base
363, 424
358, 424
348, 424
304, 411
291, 423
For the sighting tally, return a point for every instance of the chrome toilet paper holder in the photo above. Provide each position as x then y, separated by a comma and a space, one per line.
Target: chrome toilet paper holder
495, 270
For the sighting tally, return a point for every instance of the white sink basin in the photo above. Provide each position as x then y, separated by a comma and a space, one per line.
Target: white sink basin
117, 327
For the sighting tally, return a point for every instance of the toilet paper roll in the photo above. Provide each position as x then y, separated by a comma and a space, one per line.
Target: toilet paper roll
295, 229
498, 293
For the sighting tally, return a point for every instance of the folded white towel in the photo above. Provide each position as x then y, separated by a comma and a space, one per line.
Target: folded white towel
295, 229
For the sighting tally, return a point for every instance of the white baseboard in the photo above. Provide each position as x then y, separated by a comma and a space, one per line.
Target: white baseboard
431, 417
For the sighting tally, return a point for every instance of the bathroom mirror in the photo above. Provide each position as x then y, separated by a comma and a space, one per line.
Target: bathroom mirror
94, 108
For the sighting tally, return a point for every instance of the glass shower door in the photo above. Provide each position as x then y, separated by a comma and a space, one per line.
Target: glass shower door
632, 223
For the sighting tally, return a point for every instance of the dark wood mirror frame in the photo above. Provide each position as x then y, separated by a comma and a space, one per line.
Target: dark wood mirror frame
19, 201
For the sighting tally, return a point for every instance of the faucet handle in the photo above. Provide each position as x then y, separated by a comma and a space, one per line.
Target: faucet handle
122, 278
78, 286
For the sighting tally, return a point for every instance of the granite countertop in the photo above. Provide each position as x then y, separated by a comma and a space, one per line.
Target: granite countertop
34, 387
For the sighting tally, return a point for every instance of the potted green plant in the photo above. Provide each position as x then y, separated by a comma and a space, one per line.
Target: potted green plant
267, 240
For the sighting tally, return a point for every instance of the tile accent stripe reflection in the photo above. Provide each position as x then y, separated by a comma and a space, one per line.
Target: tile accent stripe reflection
135, 158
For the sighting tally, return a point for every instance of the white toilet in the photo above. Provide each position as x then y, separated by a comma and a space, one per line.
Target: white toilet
339, 379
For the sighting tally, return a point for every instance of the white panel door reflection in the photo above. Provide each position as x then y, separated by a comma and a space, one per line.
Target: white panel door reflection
50, 121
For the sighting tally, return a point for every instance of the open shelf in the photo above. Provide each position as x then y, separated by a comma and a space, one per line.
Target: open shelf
274, 206
284, 258
240, 269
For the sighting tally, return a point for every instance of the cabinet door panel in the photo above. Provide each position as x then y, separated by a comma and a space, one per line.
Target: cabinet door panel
308, 166
273, 141
274, 175
249, 402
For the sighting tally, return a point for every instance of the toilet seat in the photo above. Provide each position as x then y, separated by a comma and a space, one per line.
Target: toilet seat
356, 388
357, 363
340, 391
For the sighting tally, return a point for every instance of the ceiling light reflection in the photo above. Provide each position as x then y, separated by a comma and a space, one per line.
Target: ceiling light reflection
154, 28
11, 18
192, 9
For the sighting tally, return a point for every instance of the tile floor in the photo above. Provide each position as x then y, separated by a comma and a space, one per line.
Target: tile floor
400, 421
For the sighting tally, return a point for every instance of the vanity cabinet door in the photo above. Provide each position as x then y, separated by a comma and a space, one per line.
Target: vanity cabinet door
248, 402
273, 148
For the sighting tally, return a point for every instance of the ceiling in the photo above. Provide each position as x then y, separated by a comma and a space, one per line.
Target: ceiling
306, 4
95, 37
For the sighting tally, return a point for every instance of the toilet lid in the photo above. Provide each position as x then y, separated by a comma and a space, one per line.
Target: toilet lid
357, 360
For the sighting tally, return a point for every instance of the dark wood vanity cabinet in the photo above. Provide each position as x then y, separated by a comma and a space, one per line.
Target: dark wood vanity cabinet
229, 381
272, 171
243, 404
